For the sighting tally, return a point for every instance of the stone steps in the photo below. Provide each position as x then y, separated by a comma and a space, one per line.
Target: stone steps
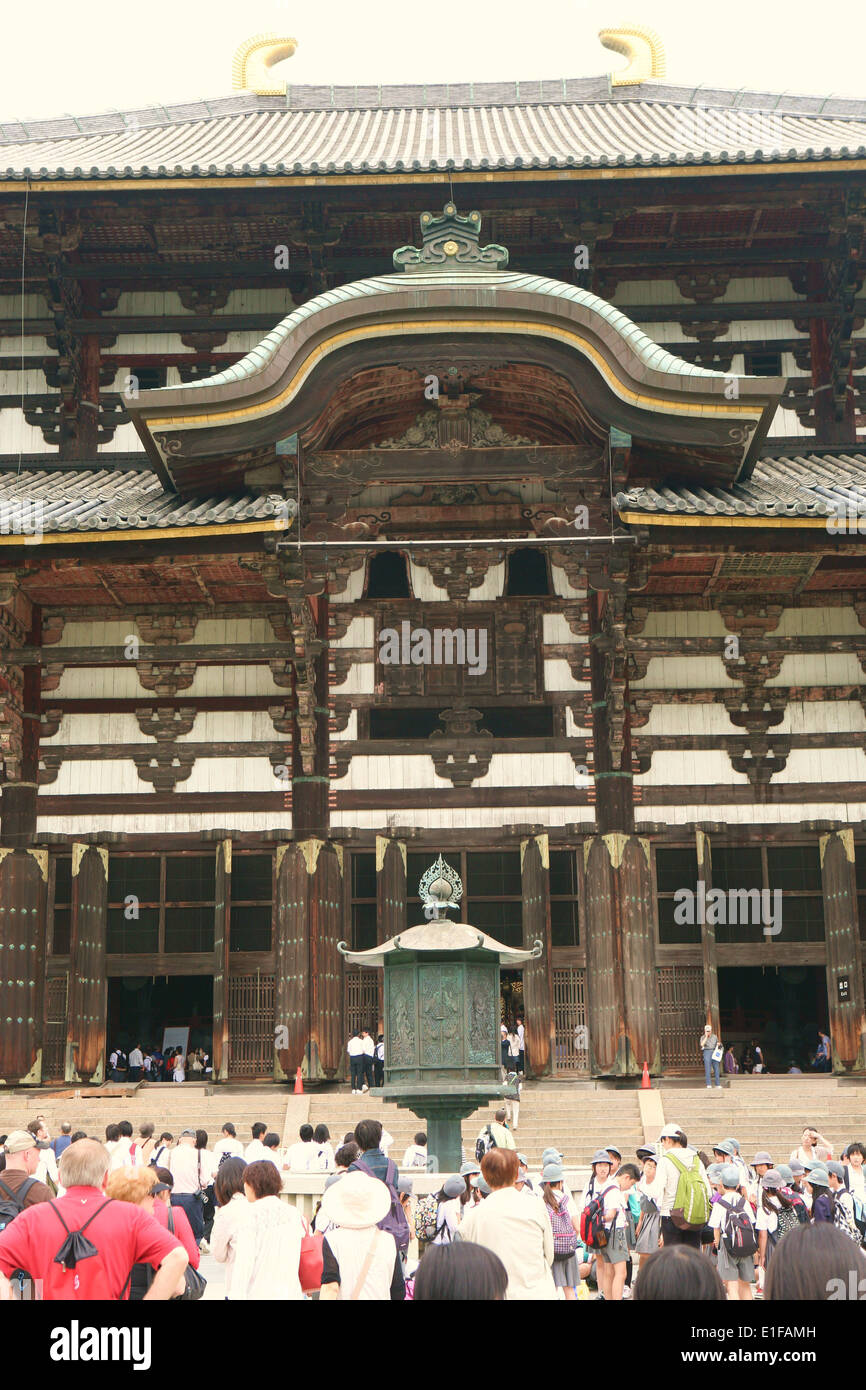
769, 1112
576, 1122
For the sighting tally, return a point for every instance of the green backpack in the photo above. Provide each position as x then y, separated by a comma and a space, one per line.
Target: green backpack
691, 1208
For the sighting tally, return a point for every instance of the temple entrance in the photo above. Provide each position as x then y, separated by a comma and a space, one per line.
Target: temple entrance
780, 1006
140, 1007
511, 996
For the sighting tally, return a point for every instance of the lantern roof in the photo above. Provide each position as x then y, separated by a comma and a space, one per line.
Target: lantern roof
434, 937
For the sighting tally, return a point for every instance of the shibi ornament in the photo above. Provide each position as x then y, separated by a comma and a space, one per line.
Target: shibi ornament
442, 1015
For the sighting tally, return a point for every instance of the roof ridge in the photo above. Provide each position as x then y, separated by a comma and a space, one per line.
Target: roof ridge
559, 91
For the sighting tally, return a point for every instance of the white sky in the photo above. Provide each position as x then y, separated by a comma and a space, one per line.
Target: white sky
59, 56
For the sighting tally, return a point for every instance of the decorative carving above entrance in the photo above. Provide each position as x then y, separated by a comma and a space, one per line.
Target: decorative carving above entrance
432, 429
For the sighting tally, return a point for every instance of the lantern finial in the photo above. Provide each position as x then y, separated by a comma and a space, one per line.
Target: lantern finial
440, 890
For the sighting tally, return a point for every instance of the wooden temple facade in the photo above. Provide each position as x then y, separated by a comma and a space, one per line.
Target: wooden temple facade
527, 533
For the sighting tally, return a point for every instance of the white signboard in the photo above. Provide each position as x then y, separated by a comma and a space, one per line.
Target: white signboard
175, 1037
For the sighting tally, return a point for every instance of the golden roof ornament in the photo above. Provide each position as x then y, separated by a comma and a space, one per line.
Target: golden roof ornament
252, 63
643, 48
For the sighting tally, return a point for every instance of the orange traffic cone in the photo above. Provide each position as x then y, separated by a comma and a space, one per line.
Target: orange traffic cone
299, 1083
645, 1079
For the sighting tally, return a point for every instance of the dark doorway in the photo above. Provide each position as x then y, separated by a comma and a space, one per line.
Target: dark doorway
139, 1008
782, 1006
511, 996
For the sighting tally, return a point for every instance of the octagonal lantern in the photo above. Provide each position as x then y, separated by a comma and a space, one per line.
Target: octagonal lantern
442, 1014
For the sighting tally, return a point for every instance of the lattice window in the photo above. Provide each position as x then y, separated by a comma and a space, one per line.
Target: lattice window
362, 999
569, 1017
251, 1024
54, 1044
681, 1014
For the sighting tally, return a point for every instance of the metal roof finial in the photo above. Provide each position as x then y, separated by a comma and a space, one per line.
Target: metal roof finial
252, 63
643, 48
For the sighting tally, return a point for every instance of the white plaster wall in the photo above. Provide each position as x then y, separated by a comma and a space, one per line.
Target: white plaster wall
691, 768
685, 673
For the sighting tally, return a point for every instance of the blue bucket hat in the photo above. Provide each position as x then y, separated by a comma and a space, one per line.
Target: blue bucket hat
553, 1172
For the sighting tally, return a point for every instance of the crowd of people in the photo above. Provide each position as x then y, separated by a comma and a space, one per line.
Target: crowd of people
152, 1064
130, 1216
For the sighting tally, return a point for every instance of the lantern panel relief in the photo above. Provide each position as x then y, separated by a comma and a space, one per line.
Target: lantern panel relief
401, 1045
441, 1015
482, 1019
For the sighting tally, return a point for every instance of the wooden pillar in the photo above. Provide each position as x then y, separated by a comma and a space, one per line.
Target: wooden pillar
835, 420
622, 994
309, 986
537, 974
605, 1005
844, 951
20, 623
708, 938
325, 1049
391, 887
391, 898
291, 999
87, 1013
222, 946
79, 438
311, 744
640, 988
23, 885
621, 986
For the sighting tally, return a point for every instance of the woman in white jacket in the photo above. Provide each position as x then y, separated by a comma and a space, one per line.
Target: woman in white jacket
268, 1242
231, 1214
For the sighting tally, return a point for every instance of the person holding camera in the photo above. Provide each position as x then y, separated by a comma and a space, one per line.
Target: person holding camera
712, 1053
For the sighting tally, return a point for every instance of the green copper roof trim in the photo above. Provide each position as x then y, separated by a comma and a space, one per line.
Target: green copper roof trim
650, 353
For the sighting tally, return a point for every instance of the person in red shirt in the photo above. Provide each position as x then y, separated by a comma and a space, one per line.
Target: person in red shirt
122, 1234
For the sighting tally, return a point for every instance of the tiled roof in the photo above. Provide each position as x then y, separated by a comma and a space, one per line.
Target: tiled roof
813, 485
569, 123
802, 485
96, 500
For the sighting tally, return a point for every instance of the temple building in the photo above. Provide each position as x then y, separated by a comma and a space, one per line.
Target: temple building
395, 471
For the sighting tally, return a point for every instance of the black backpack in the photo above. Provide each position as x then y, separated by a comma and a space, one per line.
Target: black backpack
12, 1203
738, 1231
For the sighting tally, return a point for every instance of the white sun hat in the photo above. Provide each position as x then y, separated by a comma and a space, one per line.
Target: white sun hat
356, 1201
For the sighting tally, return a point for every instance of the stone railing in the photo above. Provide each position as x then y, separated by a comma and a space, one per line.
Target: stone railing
303, 1190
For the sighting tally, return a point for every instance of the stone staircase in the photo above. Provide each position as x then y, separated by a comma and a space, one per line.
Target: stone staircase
171, 1107
577, 1118
768, 1112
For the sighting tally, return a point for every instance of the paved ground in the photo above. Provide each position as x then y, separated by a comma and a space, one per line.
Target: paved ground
215, 1274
